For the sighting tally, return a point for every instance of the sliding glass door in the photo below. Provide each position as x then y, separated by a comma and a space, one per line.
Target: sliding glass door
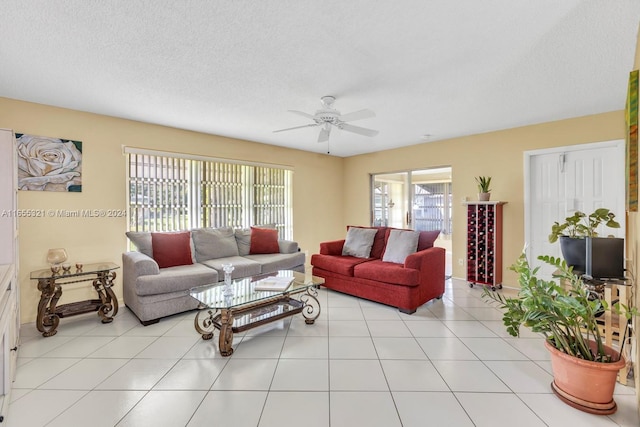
419, 200
390, 201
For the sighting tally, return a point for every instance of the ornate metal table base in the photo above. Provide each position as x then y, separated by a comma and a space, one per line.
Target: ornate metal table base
251, 315
49, 313
311, 307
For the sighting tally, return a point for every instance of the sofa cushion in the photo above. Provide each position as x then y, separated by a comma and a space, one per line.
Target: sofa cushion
243, 238
171, 248
273, 262
427, 238
359, 242
387, 272
213, 243
288, 246
400, 244
378, 241
142, 241
174, 279
242, 267
337, 263
264, 241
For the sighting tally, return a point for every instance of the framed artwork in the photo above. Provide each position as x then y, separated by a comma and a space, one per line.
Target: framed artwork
49, 164
631, 116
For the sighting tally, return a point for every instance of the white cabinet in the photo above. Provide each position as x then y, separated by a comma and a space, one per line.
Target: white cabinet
9, 286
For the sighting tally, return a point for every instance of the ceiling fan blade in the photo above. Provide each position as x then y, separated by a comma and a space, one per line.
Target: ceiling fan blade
324, 134
302, 113
358, 129
296, 127
357, 115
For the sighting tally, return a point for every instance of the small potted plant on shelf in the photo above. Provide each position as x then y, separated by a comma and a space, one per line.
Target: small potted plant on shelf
565, 313
574, 232
484, 190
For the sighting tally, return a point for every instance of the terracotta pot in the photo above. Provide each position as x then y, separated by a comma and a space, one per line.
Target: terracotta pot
584, 384
484, 197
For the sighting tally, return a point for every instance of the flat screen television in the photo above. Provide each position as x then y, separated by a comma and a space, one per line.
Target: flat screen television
605, 258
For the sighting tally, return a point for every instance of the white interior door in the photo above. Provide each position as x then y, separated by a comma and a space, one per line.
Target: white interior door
560, 181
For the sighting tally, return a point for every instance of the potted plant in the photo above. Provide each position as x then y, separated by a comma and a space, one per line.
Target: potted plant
565, 313
484, 190
575, 232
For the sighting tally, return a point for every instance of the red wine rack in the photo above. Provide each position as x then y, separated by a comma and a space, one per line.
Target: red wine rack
484, 244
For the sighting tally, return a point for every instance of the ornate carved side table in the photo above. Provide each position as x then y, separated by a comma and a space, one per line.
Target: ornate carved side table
50, 286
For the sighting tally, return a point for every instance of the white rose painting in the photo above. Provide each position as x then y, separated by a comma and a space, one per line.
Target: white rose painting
49, 164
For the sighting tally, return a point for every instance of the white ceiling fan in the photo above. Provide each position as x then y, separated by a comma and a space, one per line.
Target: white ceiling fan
327, 117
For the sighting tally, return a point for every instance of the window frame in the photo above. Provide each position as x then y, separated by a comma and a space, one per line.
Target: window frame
195, 198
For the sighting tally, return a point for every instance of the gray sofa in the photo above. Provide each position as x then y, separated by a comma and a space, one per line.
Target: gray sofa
152, 292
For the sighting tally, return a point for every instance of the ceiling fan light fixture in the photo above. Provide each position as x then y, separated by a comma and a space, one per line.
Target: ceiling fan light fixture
328, 101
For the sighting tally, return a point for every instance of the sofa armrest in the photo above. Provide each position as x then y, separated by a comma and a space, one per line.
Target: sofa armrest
430, 262
288, 246
333, 247
136, 264
425, 259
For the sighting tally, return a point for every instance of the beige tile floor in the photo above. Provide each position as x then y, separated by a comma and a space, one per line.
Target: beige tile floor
362, 364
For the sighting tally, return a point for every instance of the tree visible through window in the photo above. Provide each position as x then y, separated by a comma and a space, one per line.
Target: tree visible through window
178, 193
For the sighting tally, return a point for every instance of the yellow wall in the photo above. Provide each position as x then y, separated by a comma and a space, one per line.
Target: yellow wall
317, 187
329, 192
497, 154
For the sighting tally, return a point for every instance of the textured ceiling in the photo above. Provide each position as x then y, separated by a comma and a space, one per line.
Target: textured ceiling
444, 68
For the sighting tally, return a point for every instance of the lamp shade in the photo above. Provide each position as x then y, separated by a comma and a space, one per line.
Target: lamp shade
56, 256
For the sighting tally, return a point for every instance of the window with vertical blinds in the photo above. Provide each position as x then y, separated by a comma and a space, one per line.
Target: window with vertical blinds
178, 193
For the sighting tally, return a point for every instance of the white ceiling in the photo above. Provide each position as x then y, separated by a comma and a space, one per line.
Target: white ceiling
444, 68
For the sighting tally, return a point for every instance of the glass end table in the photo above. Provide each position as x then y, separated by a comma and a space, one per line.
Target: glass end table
50, 285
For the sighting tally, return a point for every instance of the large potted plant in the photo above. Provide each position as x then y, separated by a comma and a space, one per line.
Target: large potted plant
565, 312
575, 231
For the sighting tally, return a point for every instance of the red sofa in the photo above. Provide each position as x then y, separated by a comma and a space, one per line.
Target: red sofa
405, 286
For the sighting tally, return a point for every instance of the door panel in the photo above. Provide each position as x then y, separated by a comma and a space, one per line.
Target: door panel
389, 200
418, 199
578, 178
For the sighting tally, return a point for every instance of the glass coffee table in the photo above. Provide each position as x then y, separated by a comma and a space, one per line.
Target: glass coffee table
239, 307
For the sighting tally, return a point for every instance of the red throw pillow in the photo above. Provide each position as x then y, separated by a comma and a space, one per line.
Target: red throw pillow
264, 241
171, 249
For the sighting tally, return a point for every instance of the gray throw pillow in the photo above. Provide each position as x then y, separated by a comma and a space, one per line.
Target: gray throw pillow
142, 241
359, 242
212, 243
400, 245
